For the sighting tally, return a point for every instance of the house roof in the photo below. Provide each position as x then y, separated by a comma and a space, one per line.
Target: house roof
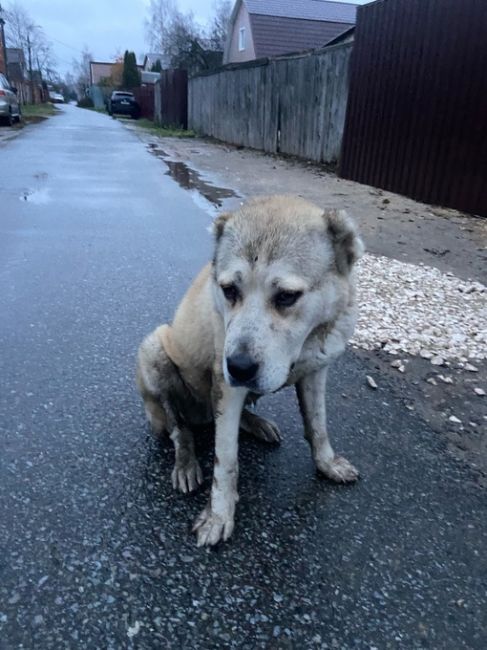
274, 36
316, 10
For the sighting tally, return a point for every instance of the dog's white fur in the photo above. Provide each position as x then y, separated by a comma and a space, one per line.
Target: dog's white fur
271, 250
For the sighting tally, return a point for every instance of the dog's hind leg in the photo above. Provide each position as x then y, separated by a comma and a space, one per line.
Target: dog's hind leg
165, 395
153, 408
259, 427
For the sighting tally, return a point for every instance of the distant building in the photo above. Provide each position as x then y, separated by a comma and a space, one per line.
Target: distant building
261, 28
17, 73
101, 70
148, 78
18, 76
152, 58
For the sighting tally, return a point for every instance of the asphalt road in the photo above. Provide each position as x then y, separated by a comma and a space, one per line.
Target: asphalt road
97, 245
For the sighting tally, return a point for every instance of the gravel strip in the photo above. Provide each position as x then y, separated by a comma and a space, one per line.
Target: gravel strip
418, 310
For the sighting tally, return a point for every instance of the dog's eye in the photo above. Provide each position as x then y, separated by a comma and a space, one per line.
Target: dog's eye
287, 298
231, 293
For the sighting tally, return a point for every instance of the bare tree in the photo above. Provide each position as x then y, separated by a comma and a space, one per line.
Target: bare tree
82, 72
182, 41
158, 24
218, 28
22, 32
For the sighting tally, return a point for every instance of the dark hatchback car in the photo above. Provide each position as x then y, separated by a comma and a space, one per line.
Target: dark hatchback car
123, 103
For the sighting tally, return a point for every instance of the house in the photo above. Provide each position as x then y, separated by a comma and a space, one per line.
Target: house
149, 78
31, 88
17, 73
100, 70
103, 71
262, 28
151, 59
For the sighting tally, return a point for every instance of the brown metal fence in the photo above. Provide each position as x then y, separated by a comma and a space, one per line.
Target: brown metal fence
416, 119
145, 98
171, 99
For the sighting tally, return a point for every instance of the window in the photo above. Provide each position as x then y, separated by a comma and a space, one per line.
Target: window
241, 39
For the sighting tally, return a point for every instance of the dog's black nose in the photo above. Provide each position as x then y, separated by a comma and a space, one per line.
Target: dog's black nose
242, 368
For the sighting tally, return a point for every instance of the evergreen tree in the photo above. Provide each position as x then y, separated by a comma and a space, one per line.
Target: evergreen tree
157, 67
131, 75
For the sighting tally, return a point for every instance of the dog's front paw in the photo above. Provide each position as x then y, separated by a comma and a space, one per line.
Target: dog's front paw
338, 469
186, 477
210, 528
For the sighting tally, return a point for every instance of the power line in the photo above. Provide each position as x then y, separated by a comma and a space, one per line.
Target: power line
56, 40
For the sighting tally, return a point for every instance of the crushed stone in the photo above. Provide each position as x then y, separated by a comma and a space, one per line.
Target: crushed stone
418, 310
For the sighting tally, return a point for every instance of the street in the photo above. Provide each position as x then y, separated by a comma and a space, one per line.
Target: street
97, 246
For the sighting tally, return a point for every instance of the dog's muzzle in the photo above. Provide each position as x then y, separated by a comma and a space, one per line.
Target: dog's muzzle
242, 370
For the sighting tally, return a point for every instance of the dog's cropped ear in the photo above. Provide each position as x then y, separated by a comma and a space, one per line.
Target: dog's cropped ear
219, 225
343, 234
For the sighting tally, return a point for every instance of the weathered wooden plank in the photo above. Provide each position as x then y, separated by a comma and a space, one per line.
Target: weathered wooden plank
293, 104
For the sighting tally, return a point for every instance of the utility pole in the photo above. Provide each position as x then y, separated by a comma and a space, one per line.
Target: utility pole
29, 50
2, 42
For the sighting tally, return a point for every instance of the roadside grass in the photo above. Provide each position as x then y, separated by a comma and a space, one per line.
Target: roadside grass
38, 110
163, 131
96, 110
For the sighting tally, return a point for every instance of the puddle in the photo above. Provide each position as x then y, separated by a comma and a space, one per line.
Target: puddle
38, 197
189, 179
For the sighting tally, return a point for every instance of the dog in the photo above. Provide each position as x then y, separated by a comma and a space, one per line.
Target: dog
273, 309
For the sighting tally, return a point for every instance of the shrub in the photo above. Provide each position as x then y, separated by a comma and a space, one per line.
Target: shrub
85, 102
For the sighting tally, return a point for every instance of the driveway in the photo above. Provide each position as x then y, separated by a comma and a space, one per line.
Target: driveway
97, 245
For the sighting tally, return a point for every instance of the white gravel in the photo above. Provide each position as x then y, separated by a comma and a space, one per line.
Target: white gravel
404, 308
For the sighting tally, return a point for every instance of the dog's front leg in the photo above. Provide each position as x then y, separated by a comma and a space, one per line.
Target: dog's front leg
311, 395
216, 522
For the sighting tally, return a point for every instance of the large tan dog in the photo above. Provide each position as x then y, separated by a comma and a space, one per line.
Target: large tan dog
274, 308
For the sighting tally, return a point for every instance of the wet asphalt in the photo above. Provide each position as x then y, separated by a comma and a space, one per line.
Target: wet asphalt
97, 245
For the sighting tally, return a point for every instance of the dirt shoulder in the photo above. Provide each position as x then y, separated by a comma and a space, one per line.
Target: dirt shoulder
392, 225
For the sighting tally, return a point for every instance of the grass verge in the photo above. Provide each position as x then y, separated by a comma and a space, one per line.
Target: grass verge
163, 131
38, 110
96, 110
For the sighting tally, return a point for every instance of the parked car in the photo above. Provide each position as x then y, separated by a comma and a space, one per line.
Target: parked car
10, 110
56, 98
123, 103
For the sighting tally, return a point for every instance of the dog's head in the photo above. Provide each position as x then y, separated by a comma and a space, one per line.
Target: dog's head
281, 268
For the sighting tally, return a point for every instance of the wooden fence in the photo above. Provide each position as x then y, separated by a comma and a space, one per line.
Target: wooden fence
417, 115
294, 104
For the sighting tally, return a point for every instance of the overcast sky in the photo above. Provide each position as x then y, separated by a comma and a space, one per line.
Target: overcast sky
105, 26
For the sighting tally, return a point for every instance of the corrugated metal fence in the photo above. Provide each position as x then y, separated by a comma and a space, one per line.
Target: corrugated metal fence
171, 99
417, 115
145, 98
293, 105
